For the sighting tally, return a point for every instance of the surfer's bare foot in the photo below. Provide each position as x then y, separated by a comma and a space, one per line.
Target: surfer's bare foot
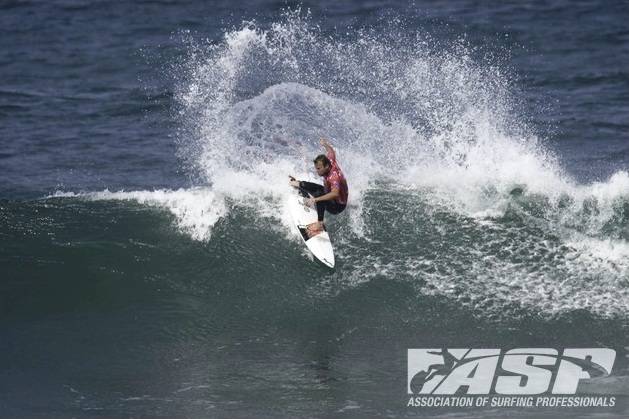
314, 229
294, 182
316, 226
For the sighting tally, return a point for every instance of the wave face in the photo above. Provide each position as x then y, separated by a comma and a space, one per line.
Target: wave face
450, 188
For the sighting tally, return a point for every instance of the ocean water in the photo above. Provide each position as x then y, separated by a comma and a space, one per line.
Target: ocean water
148, 264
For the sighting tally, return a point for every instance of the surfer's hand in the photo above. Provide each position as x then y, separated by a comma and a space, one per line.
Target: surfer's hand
311, 201
326, 145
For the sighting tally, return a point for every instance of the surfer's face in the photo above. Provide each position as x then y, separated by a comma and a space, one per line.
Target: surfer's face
322, 169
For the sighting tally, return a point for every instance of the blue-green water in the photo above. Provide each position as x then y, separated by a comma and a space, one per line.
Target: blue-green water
148, 267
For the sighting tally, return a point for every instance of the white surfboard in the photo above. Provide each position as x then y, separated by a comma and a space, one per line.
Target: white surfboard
320, 245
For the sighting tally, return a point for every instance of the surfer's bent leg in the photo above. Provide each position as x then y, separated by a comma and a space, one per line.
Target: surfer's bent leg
315, 190
334, 208
329, 206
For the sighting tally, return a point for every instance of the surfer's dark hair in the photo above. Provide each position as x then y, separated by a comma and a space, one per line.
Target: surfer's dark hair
323, 159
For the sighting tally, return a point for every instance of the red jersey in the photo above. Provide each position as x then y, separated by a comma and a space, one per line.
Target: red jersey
336, 179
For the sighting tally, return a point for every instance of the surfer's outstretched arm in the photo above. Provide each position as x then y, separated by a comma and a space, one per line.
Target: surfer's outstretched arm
326, 145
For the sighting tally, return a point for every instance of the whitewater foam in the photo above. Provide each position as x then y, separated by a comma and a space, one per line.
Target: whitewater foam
195, 210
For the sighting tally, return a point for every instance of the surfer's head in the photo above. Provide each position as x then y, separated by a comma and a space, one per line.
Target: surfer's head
322, 165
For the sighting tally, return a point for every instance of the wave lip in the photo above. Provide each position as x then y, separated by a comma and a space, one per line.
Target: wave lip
195, 210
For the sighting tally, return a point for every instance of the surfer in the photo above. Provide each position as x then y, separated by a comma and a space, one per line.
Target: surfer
332, 195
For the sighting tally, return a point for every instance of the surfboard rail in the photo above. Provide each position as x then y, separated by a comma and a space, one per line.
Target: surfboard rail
320, 244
